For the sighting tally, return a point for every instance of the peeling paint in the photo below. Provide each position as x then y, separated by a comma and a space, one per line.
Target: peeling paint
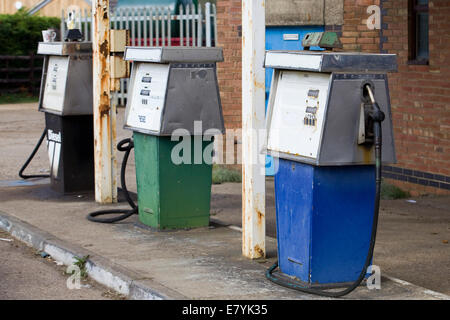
259, 251
104, 48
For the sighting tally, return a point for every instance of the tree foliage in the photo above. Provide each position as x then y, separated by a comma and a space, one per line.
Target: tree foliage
20, 33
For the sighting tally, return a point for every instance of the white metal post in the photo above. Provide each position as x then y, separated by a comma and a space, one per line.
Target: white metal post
63, 25
104, 115
208, 24
253, 115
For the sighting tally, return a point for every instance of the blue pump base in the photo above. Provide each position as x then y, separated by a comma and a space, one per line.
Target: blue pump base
324, 221
301, 284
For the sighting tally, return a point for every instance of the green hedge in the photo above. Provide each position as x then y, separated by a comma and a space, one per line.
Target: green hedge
20, 33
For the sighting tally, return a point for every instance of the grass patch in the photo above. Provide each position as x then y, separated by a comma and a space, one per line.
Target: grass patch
222, 174
11, 98
391, 192
80, 263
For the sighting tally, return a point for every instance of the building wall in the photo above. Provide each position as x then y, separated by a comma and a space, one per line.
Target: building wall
356, 36
420, 94
421, 98
53, 9
304, 12
229, 24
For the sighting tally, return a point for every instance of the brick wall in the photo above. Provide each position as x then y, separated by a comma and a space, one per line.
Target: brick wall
420, 96
356, 36
229, 72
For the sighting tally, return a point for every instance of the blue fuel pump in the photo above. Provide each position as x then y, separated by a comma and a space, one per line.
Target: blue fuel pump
325, 126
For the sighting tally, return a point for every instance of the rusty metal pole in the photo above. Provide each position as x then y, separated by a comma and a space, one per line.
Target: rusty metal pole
253, 115
104, 115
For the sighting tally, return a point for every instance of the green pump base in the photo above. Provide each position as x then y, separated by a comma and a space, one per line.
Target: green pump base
171, 196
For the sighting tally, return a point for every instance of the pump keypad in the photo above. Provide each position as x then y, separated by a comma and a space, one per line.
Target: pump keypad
312, 103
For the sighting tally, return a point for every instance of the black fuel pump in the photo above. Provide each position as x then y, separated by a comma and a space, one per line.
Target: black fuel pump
66, 99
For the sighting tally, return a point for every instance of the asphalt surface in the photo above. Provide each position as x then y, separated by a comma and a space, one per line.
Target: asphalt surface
25, 275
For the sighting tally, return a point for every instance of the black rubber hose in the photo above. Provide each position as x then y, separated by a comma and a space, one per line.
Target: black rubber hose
126, 146
33, 153
378, 117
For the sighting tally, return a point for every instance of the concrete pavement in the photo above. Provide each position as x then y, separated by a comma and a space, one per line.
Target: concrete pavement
202, 263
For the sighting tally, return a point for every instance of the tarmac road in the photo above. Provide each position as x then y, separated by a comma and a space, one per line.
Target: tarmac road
25, 275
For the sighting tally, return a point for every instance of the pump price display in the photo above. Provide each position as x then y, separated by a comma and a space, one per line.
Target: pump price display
148, 96
55, 86
299, 111
234, 310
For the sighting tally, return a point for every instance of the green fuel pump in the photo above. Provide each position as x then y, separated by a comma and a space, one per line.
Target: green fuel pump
174, 111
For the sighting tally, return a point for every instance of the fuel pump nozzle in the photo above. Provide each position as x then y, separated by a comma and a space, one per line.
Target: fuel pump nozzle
370, 114
377, 115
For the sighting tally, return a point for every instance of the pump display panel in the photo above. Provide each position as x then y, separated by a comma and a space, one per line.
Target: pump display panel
298, 113
148, 94
55, 84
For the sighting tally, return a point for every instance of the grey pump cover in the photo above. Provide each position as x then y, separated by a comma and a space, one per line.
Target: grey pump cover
192, 92
344, 103
77, 94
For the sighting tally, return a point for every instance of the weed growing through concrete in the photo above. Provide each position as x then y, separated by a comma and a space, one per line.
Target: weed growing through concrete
77, 273
81, 264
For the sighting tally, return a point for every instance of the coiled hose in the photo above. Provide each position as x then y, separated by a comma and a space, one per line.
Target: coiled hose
33, 153
378, 117
126, 146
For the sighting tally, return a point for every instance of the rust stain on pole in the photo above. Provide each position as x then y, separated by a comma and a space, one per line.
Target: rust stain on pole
104, 121
104, 49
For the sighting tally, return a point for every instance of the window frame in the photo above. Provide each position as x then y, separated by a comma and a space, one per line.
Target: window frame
414, 10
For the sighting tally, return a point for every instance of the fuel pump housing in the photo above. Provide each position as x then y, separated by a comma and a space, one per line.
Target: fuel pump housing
325, 183
174, 99
66, 99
